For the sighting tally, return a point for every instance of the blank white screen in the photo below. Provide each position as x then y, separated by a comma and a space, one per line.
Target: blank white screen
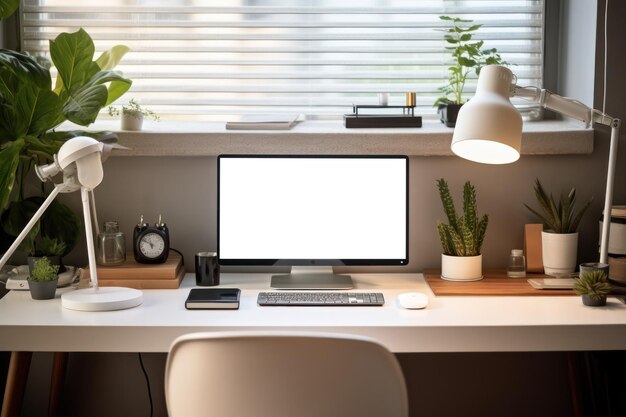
312, 208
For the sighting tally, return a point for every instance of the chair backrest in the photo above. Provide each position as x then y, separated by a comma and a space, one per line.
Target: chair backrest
276, 374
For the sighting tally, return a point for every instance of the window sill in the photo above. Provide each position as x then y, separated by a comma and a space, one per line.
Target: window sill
330, 137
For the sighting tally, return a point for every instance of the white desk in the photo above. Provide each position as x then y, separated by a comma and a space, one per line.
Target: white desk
449, 324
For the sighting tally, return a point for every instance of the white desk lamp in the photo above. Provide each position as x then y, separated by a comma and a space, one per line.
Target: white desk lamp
489, 128
79, 159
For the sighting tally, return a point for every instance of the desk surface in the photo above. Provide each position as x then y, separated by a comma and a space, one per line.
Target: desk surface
448, 324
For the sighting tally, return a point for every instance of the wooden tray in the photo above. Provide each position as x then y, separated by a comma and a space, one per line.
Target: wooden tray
495, 282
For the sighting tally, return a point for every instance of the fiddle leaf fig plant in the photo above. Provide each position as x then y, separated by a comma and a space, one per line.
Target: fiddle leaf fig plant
31, 108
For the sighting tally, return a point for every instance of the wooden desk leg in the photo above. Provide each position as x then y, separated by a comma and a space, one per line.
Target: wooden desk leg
57, 378
17, 375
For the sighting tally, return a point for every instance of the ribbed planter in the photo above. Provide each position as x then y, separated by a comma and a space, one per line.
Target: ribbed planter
559, 251
461, 268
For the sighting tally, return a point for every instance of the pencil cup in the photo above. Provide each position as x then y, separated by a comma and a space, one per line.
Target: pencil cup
594, 266
207, 269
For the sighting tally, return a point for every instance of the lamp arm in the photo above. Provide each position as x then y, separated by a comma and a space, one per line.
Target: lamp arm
30, 224
563, 105
91, 252
579, 111
608, 199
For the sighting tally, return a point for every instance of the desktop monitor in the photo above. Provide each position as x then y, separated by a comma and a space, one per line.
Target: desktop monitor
312, 211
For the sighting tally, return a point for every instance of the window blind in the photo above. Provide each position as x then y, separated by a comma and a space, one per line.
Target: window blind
216, 59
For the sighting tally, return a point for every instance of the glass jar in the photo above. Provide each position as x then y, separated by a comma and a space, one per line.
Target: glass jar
111, 247
517, 264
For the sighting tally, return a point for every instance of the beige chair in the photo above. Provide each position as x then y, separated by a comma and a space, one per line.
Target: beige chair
273, 374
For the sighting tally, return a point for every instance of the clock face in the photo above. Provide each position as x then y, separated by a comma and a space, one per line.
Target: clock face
152, 245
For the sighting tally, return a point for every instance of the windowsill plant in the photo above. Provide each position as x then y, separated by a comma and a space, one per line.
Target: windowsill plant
133, 115
468, 57
462, 237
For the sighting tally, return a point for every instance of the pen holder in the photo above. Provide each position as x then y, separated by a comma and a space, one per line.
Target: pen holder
207, 269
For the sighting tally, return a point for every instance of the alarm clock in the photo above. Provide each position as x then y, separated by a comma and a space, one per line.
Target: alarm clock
151, 244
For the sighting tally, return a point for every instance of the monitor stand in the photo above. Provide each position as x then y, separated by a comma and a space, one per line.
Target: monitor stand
311, 278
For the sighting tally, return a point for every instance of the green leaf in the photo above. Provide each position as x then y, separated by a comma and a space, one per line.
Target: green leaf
83, 108
9, 160
25, 68
447, 202
72, 55
8, 7
469, 206
15, 218
61, 223
38, 108
111, 58
467, 62
118, 84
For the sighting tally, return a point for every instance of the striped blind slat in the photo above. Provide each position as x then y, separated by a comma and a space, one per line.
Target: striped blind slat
217, 59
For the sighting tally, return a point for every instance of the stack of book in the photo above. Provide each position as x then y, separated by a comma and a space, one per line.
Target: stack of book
131, 274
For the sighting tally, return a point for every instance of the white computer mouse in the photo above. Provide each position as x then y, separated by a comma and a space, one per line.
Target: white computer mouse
413, 300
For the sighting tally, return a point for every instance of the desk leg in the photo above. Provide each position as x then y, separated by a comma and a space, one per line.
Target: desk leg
56, 382
16, 383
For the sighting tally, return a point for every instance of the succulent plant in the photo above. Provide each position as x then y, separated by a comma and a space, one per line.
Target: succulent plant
463, 235
43, 270
558, 217
592, 283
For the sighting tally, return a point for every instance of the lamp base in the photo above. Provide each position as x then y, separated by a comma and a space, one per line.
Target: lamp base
102, 299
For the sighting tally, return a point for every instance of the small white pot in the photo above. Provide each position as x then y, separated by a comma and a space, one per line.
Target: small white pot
559, 251
132, 121
461, 268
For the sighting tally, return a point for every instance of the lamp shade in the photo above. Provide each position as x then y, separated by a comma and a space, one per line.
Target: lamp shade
488, 128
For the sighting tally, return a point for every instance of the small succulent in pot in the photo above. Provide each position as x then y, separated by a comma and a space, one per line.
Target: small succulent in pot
44, 270
593, 286
42, 282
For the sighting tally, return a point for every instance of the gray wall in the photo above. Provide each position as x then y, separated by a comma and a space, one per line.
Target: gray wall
183, 190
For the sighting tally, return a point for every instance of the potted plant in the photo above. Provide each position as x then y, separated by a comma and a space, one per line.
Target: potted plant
32, 108
559, 239
467, 57
462, 237
43, 279
133, 115
593, 286
51, 248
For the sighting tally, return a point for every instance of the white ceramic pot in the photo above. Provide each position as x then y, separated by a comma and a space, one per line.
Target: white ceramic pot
559, 251
461, 268
132, 121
